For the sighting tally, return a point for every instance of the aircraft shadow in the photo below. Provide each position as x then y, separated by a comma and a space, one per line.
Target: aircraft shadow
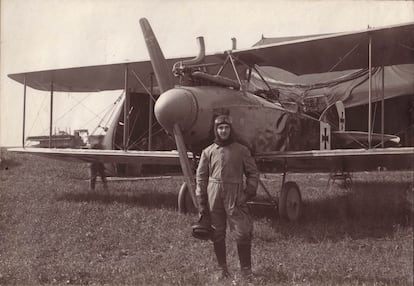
368, 210
145, 198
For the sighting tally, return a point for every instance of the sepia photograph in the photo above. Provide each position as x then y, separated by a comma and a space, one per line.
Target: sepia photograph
230, 142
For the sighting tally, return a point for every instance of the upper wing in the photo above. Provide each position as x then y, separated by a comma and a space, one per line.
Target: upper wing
97, 78
351, 160
301, 55
84, 79
106, 156
266, 41
391, 45
89, 78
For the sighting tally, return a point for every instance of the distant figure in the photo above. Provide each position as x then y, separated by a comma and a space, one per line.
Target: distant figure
97, 168
221, 196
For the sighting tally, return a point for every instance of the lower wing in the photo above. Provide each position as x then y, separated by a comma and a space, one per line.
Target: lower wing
105, 156
349, 160
346, 160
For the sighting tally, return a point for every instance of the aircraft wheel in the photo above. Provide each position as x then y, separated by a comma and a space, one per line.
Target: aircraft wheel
290, 202
185, 202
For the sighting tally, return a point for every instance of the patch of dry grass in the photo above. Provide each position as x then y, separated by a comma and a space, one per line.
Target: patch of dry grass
53, 231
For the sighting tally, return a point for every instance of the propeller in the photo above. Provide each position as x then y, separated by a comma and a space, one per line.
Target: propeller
163, 74
166, 111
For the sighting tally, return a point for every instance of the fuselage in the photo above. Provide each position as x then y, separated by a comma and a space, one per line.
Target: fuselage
261, 125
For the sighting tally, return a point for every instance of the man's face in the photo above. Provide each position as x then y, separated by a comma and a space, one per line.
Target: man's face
223, 131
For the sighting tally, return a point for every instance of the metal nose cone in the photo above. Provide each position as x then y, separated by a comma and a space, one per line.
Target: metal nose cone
176, 106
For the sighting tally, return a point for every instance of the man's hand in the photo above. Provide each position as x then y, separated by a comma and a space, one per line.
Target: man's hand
202, 206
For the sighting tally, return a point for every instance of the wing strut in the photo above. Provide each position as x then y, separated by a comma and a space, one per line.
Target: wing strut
369, 89
51, 115
150, 104
150, 112
126, 110
382, 107
24, 111
235, 70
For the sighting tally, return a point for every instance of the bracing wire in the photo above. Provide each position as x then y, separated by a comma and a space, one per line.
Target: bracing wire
86, 107
133, 126
114, 105
142, 84
344, 57
106, 110
97, 115
37, 116
109, 109
70, 109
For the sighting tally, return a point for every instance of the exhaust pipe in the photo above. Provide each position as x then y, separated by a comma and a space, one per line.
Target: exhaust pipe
201, 53
233, 43
179, 66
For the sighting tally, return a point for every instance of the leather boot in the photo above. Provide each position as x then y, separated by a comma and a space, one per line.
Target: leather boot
245, 258
220, 251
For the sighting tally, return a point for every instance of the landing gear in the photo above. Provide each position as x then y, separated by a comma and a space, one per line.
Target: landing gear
185, 202
342, 179
290, 201
289, 204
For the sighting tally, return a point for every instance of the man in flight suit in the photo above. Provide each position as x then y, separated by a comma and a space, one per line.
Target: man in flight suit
220, 193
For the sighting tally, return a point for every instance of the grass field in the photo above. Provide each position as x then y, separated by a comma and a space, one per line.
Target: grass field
53, 231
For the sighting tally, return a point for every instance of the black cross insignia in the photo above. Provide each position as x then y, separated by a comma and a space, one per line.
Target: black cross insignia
325, 137
342, 119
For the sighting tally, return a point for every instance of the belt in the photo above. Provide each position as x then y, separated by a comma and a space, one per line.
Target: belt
227, 180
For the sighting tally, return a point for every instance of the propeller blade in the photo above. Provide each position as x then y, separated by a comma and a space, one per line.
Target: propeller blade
162, 72
185, 162
166, 82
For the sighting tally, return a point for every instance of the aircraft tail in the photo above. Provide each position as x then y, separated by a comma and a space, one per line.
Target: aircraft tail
162, 72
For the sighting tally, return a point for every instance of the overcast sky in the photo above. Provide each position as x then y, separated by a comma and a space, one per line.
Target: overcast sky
49, 34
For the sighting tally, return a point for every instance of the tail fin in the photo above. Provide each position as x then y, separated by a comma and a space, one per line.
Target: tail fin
159, 64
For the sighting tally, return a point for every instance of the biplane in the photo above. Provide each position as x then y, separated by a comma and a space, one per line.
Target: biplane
295, 123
